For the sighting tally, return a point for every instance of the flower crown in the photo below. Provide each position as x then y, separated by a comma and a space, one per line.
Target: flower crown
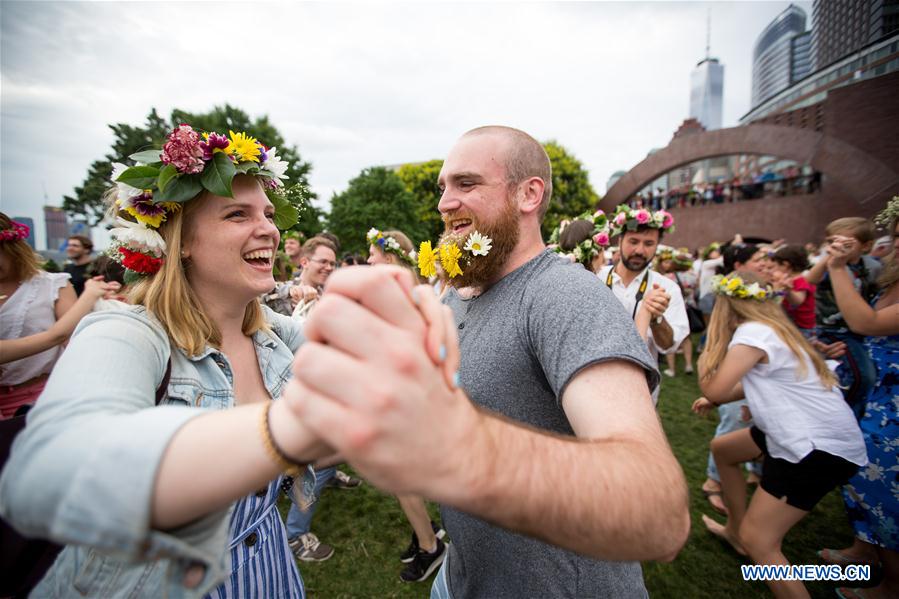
626, 219
680, 256
734, 286
890, 214
189, 163
389, 244
450, 255
590, 248
17, 231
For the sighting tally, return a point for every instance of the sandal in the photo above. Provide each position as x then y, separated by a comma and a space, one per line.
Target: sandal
709, 494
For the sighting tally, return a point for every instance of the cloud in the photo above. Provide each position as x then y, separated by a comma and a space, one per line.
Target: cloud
358, 84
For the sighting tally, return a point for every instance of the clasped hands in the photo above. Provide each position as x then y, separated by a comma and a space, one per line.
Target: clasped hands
656, 301
376, 380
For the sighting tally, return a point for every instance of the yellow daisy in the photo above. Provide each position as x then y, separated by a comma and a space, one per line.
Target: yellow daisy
449, 259
427, 260
243, 147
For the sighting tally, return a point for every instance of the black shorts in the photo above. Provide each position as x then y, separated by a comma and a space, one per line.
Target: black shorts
803, 484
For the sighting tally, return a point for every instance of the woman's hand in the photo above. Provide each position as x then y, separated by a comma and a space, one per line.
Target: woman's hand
839, 250
702, 406
97, 288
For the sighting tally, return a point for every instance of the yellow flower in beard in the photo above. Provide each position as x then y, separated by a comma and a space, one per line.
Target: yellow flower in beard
427, 260
449, 259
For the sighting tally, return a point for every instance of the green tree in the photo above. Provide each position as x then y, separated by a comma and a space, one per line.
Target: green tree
572, 192
87, 200
420, 180
376, 198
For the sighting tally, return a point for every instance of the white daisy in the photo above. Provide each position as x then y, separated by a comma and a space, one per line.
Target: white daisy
126, 192
275, 166
137, 236
477, 244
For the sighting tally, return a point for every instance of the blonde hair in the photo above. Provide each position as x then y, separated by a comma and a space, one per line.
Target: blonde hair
170, 298
729, 313
407, 246
25, 261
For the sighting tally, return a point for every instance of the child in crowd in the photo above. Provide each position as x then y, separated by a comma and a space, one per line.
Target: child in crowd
804, 430
799, 295
856, 371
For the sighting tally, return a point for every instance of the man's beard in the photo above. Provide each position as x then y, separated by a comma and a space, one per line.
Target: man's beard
635, 263
503, 234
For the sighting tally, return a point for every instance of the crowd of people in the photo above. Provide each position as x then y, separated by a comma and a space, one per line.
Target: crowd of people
220, 364
785, 182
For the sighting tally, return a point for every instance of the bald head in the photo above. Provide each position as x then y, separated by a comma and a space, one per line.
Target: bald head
525, 158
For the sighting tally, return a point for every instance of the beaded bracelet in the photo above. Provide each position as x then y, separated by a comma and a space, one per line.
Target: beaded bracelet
289, 467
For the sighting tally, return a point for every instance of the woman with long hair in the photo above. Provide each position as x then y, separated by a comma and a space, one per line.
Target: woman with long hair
31, 301
155, 451
805, 432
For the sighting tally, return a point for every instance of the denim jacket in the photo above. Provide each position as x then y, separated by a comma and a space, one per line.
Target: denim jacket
83, 471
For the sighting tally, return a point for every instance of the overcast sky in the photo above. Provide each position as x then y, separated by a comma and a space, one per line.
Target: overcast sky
358, 84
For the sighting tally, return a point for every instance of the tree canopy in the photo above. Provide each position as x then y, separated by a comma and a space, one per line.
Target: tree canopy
572, 192
420, 180
376, 198
87, 200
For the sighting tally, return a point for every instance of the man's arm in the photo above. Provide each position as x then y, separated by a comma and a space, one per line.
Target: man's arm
586, 505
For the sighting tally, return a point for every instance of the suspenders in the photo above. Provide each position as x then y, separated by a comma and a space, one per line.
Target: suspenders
640, 291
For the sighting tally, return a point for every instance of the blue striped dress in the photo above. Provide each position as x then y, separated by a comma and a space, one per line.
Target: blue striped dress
262, 564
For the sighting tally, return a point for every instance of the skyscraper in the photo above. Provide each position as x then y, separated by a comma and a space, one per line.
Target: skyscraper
707, 93
841, 28
778, 59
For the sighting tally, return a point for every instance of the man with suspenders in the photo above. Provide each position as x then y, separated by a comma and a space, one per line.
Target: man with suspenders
654, 301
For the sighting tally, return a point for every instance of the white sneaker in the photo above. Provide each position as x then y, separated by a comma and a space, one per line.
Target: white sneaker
668, 372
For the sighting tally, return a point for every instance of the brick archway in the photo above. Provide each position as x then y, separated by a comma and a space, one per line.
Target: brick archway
850, 171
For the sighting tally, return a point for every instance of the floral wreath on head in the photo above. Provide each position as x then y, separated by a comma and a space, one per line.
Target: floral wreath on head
388, 244
590, 248
888, 215
189, 163
16, 232
450, 255
734, 286
626, 219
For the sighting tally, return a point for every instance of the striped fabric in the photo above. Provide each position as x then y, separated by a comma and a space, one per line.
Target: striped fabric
262, 564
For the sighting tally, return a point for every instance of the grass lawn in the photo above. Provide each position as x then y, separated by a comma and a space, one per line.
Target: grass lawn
368, 530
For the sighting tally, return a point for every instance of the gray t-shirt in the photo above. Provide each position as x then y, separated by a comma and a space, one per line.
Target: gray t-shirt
522, 341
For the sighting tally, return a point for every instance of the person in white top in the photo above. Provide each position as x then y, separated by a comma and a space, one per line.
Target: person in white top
654, 301
806, 432
31, 300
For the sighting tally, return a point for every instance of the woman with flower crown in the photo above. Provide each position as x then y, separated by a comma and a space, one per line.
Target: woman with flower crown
804, 430
155, 451
426, 550
31, 301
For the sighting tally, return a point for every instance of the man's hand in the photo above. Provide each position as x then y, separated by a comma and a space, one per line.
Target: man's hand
305, 293
368, 383
656, 301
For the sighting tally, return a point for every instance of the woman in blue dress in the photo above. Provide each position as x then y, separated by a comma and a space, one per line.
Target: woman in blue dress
872, 495
156, 451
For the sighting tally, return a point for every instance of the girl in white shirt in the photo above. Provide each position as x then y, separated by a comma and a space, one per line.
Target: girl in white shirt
804, 430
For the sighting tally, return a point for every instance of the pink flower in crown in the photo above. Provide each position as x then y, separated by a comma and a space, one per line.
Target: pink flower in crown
601, 239
183, 150
598, 213
214, 141
620, 218
668, 221
643, 217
